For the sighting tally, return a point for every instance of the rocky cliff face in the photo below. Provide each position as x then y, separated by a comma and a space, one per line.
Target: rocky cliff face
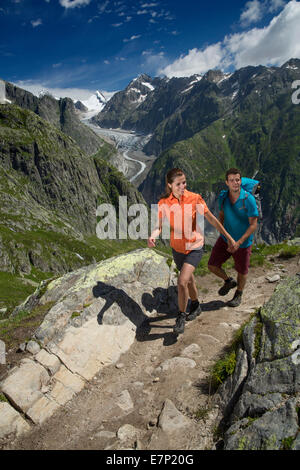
176, 109
50, 190
257, 133
61, 113
260, 402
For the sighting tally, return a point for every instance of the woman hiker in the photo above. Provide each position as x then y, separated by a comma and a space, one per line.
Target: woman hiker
183, 210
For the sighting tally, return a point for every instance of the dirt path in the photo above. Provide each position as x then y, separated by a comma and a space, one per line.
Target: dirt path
92, 419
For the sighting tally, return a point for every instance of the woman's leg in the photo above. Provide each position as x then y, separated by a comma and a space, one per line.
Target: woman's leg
186, 286
193, 291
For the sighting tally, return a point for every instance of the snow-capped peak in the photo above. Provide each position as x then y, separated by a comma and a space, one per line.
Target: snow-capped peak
101, 97
95, 103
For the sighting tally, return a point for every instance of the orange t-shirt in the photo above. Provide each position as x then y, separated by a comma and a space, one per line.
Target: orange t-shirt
185, 220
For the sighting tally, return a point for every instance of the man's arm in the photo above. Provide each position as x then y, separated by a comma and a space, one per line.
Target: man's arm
252, 227
221, 217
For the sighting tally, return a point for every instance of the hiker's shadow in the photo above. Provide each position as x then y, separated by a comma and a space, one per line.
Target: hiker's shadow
213, 305
164, 302
131, 309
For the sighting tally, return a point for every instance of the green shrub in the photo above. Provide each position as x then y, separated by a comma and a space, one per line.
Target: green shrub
223, 368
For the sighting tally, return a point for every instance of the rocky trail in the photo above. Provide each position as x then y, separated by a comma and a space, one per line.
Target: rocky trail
157, 396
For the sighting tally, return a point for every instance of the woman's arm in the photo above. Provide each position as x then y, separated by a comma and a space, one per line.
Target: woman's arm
215, 223
156, 232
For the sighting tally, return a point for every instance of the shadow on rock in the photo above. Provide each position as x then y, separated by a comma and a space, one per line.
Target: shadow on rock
131, 309
213, 305
162, 300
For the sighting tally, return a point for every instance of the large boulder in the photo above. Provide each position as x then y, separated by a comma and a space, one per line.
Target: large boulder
97, 312
259, 403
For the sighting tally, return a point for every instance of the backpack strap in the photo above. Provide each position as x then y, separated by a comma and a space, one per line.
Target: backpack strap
223, 194
244, 199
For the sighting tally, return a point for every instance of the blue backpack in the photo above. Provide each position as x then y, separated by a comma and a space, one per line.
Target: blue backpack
250, 186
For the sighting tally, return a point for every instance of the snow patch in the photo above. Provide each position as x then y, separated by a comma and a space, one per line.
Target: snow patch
226, 77
3, 98
133, 89
191, 85
151, 87
95, 104
292, 67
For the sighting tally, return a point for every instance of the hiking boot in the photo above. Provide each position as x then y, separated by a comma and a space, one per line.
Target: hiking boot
230, 283
180, 323
237, 299
194, 312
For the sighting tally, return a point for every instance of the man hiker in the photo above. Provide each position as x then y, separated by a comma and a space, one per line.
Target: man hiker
239, 214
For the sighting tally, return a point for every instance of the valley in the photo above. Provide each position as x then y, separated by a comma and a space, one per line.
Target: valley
130, 158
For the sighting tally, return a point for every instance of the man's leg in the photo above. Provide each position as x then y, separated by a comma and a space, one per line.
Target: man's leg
242, 262
217, 258
218, 272
242, 279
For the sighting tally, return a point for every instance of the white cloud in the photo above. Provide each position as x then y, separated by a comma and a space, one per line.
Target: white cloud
36, 23
103, 6
73, 93
275, 5
255, 10
153, 61
73, 3
196, 61
149, 5
271, 45
252, 13
137, 36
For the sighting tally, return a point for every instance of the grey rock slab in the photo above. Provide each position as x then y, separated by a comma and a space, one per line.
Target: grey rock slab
11, 422
274, 278
33, 347
176, 363
171, 419
281, 376
49, 361
24, 383
191, 351
42, 409
86, 350
265, 433
108, 298
66, 385
281, 319
2, 352
127, 431
230, 389
253, 405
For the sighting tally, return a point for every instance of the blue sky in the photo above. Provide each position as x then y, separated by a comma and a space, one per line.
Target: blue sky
78, 46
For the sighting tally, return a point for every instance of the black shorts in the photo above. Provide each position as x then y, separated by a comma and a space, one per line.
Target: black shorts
193, 258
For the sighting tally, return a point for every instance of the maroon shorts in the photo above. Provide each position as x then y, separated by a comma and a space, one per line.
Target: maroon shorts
220, 254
